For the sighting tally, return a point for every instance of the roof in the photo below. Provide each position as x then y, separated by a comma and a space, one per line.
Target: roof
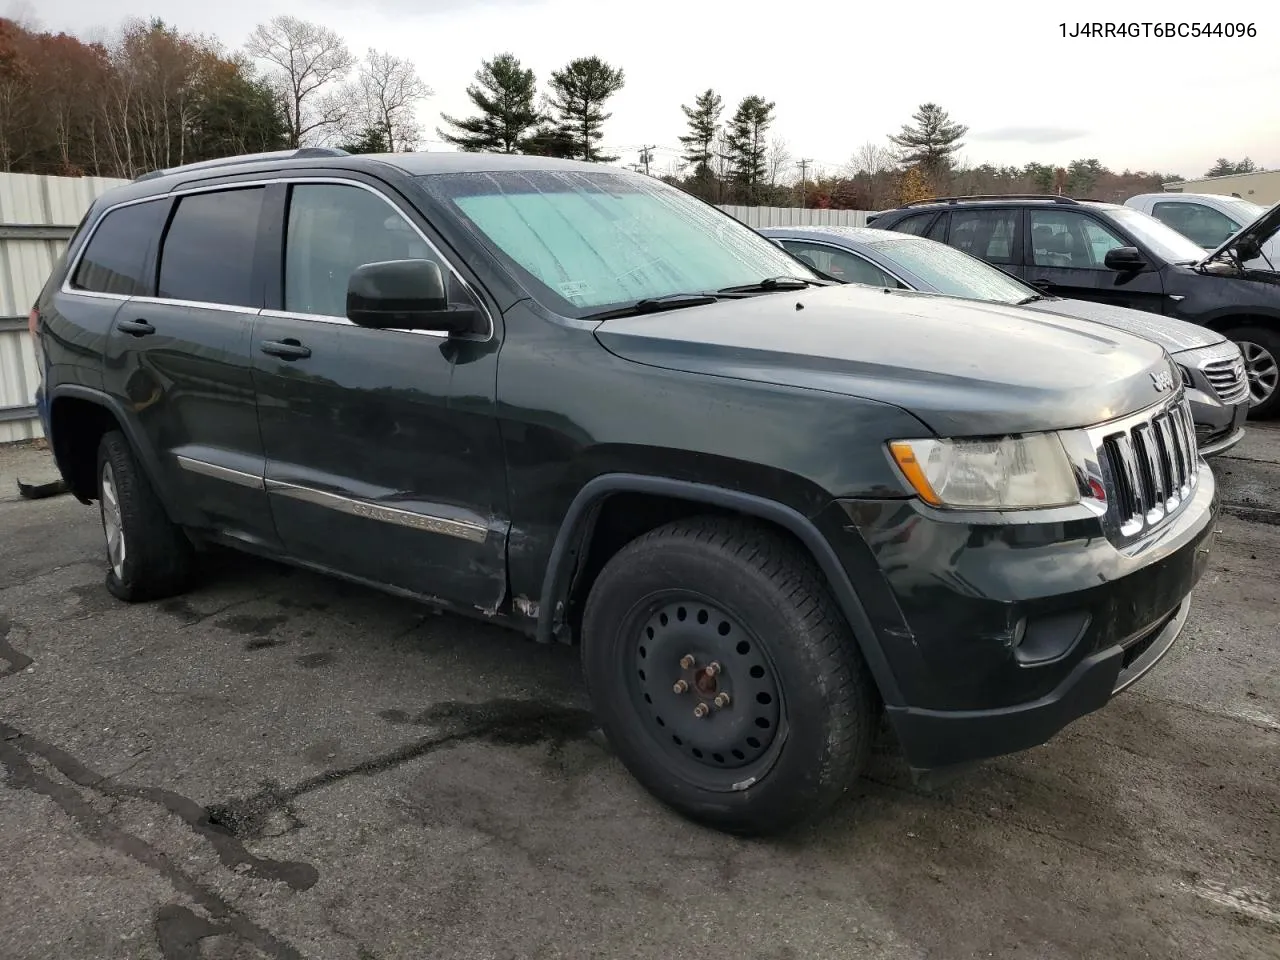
414, 164
819, 231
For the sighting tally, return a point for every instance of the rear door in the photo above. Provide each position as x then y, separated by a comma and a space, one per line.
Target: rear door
179, 358
384, 459
1066, 250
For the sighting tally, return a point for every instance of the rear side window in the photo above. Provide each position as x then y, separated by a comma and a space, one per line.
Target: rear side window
208, 250
914, 224
985, 234
115, 259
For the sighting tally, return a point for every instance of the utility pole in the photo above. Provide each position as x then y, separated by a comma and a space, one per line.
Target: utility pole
803, 164
646, 157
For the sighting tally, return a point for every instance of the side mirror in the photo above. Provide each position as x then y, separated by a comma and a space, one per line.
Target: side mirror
1124, 259
405, 295
1247, 249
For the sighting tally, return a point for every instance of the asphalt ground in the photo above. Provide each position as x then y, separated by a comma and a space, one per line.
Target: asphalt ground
280, 765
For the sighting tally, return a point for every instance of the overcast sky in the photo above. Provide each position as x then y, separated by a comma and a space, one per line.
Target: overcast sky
841, 73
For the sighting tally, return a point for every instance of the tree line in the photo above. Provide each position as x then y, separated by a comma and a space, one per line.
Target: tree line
155, 97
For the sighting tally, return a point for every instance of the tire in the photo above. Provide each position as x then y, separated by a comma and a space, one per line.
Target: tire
802, 709
1261, 349
155, 557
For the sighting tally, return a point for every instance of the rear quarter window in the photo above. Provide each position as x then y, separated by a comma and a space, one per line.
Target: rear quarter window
114, 260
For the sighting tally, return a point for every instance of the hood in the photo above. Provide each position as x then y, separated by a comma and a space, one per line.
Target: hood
963, 367
1260, 232
1174, 335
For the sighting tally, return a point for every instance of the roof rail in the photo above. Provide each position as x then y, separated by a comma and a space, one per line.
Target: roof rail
301, 153
994, 196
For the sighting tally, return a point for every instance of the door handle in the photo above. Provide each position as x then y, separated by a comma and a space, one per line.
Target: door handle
139, 328
286, 349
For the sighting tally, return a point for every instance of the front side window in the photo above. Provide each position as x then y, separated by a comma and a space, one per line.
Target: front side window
986, 234
839, 264
208, 250
115, 259
584, 241
1070, 240
1204, 225
334, 229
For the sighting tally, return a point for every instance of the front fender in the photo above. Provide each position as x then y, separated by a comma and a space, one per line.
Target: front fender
575, 529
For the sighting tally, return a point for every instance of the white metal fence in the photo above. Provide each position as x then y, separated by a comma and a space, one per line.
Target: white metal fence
756, 217
37, 217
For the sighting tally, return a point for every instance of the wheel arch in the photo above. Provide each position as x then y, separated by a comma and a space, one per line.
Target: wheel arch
577, 554
1224, 320
79, 417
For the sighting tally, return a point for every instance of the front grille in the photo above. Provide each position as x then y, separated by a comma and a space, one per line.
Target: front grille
1154, 467
1227, 379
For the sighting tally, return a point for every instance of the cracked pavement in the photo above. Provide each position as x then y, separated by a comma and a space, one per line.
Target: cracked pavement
279, 765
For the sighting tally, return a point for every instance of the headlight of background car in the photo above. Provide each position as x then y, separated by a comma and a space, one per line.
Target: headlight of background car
1011, 473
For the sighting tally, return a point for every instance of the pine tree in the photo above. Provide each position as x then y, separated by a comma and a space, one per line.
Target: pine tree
932, 142
503, 93
748, 145
704, 124
578, 95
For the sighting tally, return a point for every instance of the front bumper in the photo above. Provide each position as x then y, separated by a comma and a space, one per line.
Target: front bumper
1000, 634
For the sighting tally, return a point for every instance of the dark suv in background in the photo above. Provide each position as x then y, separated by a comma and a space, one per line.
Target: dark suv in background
578, 402
1088, 250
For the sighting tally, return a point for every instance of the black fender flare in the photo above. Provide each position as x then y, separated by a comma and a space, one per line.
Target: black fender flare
145, 455
575, 530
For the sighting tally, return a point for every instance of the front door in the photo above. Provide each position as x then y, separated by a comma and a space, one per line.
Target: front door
179, 357
383, 452
1067, 250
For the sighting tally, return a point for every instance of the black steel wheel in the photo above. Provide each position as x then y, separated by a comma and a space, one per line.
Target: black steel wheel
708, 687
725, 677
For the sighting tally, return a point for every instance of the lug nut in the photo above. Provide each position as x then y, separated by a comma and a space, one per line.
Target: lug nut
722, 700
679, 686
700, 710
712, 669
687, 661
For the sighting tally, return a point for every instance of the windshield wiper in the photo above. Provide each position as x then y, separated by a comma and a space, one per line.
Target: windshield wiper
1031, 299
670, 301
771, 283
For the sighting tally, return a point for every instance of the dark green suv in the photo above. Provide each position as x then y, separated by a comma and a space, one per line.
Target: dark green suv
576, 401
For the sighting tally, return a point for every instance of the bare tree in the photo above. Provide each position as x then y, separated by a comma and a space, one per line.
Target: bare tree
384, 99
871, 165
778, 160
307, 57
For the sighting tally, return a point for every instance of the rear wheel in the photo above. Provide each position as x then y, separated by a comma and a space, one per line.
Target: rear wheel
148, 556
1261, 349
725, 677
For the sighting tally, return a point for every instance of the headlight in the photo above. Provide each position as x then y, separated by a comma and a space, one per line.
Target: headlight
1010, 473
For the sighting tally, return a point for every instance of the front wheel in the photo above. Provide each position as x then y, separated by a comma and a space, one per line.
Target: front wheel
725, 677
1260, 347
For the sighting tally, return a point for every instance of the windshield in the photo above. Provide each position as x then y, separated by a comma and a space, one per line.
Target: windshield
591, 240
1164, 241
1244, 211
950, 271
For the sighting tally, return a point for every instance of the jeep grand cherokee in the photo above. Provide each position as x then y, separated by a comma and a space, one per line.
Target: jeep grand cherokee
579, 402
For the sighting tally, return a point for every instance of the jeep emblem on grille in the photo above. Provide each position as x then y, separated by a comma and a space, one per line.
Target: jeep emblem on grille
1162, 380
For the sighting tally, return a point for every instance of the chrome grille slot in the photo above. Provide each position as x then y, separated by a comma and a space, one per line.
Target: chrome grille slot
1153, 463
1228, 379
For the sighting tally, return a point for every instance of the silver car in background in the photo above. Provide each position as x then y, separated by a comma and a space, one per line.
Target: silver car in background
1213, 369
